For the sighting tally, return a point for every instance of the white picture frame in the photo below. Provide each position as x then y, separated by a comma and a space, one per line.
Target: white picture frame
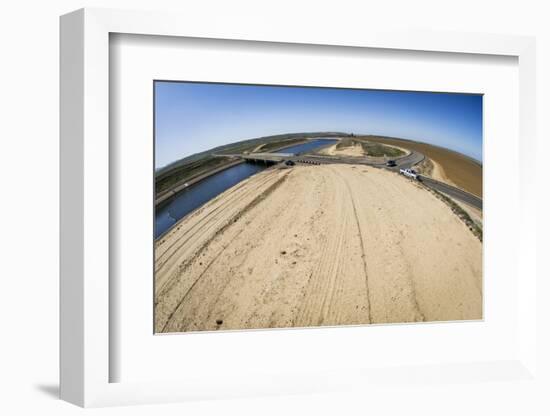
85, 213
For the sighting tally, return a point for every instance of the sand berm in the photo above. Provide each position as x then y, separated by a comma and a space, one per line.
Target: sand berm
317, 245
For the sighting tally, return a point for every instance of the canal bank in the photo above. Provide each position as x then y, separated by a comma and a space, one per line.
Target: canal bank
173, 206
166, 195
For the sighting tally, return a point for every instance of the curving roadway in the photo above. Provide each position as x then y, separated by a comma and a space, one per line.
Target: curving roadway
406, 162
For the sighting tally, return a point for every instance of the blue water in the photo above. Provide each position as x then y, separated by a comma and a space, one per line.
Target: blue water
306, 147
188, 200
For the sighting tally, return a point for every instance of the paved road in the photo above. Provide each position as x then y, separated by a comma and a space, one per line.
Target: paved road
452, 192
403, 163
406, 162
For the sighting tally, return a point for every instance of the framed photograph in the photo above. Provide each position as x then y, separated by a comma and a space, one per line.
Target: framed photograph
273, 212
308, 229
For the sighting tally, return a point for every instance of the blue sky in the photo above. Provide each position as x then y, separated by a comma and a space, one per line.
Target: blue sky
192, 117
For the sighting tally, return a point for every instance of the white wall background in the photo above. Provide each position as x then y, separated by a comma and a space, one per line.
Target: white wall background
29, 208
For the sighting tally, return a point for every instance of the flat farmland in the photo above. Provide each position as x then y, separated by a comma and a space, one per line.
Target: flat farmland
460, 170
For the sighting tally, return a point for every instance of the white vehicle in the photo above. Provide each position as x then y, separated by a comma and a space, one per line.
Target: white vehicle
409, 173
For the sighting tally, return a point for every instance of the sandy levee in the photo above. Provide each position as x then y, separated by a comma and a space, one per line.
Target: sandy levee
353, 150
317, 245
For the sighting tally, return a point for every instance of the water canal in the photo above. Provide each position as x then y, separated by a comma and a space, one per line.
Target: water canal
189, 199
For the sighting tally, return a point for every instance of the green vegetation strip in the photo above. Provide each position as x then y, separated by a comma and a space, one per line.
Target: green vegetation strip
379, 150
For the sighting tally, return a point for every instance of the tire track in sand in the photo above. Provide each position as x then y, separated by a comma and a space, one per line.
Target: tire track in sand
336, 292
206, 224
363, 251
161, 298
189, 241
240, 288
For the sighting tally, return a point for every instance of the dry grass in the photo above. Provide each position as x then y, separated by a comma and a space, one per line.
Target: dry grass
425, 167
459, 169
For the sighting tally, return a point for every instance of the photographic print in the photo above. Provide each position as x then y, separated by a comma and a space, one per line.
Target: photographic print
295, 207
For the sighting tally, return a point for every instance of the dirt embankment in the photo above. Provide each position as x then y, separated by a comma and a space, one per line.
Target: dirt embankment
319, 245
451, 167
433, 170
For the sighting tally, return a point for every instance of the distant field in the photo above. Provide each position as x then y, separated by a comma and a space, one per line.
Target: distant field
379, 150
463, 171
